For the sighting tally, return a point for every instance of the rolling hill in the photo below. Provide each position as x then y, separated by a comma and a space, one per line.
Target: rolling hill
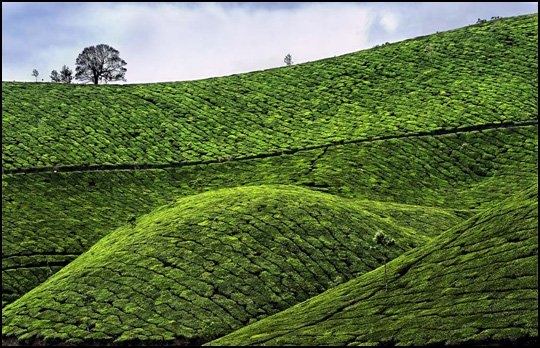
474, 284
206, 265
69, 212
175, 213
471, 76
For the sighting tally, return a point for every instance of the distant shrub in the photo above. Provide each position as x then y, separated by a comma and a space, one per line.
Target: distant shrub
288, 60
66, 75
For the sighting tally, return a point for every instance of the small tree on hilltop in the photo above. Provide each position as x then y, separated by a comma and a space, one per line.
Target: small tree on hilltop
55, 76
384, 241
66, 75
35, 73
100, 63
288, 60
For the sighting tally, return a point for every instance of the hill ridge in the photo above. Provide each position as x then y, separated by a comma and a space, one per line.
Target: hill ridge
479, 74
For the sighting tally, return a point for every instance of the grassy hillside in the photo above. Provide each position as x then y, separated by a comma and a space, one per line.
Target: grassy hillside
206, 265
232, 177
479, 74
49, 219
477, 282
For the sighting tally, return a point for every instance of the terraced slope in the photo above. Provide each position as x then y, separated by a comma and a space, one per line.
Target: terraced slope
206, 265
476, 283
411, 138
481, 74
68, 212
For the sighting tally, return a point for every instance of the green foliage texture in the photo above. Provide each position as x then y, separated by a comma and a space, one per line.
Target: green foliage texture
474, 283
272, 186
206, 265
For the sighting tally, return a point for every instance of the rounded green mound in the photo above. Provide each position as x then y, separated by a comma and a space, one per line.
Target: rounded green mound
475, 284
206, 265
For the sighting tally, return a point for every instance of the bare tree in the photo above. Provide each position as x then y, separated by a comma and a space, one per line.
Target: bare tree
288, 60
35, 73
100, 63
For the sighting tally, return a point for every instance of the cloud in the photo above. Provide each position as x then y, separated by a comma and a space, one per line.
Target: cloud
171, 42
390, 21
167, 42
185, 41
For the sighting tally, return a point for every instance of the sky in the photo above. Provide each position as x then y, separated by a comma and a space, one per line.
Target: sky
187, 41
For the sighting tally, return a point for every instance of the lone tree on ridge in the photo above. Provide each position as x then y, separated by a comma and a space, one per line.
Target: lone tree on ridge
100, 63
35, 73
288, 59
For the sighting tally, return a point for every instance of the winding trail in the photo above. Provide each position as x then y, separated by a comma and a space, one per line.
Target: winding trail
270, 154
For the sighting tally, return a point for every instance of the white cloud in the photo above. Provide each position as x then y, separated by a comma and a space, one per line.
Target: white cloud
185, 41
165, 42
389, 21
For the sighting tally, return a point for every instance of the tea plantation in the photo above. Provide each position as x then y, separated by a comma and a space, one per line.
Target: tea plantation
178, 213
475, 283
471, 76
69, 212
206, 265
